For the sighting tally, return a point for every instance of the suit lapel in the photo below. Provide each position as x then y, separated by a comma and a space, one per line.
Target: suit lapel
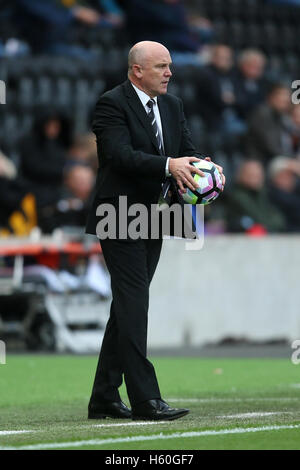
136, 105
165, 123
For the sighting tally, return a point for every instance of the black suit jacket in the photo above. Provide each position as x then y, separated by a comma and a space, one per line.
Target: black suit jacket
129, 159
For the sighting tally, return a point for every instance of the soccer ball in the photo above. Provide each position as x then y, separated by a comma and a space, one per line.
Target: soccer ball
210, 185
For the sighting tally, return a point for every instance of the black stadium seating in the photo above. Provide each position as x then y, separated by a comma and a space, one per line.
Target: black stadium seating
36, 81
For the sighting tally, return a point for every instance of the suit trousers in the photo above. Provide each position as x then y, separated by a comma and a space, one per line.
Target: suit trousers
131, 264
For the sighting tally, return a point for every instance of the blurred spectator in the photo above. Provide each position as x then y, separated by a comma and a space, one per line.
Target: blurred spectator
112, 14
43, 156
295, 130
202, 29
79, 181
17, 206
84, 151
47, 25
7, 167
10, 195
74, 203
215, 86
200, 26
269, 131
248, 207
249, 82
217, 98
9, 44
284, 174
163, 21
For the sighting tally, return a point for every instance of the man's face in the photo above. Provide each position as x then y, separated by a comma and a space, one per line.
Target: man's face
280, 100
253, 67
222, 58
52, 128
296, 115
155, 73
80, 181
252, 175
285, 180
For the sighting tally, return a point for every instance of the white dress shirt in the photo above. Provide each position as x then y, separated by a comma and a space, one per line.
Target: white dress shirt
144, 100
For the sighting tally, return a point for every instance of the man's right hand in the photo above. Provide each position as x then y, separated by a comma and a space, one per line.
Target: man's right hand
181, 169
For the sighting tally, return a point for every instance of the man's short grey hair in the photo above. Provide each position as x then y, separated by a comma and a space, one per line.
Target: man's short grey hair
134, 57
248, 54
278, 164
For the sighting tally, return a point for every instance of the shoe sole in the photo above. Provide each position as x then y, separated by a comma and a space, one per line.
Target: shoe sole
170, 418
104, 416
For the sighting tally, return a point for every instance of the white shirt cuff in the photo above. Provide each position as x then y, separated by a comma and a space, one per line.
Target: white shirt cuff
167, 167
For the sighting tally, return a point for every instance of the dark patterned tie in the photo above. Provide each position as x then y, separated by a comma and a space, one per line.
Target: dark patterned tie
151, 116
165, 195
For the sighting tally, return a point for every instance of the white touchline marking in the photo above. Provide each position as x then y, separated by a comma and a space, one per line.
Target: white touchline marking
229, 400
255, 414
137, 423
7, 433
295, 385
153, 437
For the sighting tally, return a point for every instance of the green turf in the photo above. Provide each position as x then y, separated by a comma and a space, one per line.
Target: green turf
49, 395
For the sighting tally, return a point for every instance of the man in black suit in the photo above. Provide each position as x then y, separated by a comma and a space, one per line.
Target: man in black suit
142, 139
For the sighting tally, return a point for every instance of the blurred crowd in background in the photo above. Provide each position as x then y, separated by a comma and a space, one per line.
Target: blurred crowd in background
234, 62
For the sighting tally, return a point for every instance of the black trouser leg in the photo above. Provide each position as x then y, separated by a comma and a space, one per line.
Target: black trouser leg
124, 349
109, 370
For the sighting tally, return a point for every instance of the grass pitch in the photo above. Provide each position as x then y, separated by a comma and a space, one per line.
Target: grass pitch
234, 403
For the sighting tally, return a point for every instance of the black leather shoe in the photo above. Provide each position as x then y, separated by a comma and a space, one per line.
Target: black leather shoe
157, 410
114, 409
